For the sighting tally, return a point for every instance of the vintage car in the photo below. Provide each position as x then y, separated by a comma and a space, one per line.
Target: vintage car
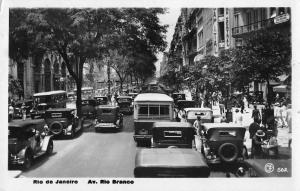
28, 105
173, 134
170, 162
267, 168
125, 104
26, 141
182, 104
63, 121
178, 96
39, 110
205, 113
132, 94
109, 117
223, 143
88, 108
101, 100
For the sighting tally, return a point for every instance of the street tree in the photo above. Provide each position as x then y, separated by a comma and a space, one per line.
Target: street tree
265, 56
77, 35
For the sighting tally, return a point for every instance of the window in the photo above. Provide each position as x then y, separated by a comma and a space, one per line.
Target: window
221, 12
236, 20
273, 12
143, 110
281, 10
153, 110
164, 110
221, 32
200, 39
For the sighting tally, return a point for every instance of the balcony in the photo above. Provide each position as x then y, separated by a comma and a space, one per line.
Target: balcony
241, 30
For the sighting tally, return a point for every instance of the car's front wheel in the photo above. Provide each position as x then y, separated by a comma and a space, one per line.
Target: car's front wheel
28, 159
50, 147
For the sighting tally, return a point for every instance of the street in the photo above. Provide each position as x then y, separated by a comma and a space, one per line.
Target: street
90, 154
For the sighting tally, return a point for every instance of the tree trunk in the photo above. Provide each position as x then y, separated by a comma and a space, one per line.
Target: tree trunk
79, 86
268, 93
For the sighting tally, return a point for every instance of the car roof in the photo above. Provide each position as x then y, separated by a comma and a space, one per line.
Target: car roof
49, 93
172, 124
221, 125
24, 124
153, 97
160, 157
60, 109
197, 109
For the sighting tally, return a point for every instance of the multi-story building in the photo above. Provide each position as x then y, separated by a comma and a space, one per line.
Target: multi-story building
41, 73
250, 20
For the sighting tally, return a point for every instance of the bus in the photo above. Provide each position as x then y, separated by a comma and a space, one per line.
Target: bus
147, 109
86, 92
45, 100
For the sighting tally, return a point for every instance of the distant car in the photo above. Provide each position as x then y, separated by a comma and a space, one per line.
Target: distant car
206, 115
182, 104
27, 140
101, 100
39, 111
224, 143
88, 108
170, 162
178, 96
173, 134
63, 121
125, 104
109, 117
268, 168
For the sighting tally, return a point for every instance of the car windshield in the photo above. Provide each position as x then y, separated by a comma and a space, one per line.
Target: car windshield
42, 107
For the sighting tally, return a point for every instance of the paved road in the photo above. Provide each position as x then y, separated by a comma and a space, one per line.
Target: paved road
90, 154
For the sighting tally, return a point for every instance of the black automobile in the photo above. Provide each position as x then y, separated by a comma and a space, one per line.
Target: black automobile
88, 108
172, 154
182, 104
101, 100
173, 134
39, 110
27, 140
109, 117
63, 121
125, 104
224, 143
178, 96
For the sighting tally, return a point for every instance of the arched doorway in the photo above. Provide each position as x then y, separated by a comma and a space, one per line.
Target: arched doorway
47, 72
56, 76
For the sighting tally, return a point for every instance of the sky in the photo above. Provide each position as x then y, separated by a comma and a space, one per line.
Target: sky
169, 18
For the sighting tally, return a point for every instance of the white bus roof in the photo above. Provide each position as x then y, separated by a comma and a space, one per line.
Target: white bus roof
49, 93
152, 97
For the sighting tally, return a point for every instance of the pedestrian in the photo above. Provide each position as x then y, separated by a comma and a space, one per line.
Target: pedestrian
23, 112
238, 119
200, 131
256, 114
257, 142
10, 112
254, 126
283, 114
183, 118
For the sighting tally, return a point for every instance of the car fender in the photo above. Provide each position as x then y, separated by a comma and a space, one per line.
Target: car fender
45, 143
22, 153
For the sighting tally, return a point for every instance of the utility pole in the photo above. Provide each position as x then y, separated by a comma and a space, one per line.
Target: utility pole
108, 76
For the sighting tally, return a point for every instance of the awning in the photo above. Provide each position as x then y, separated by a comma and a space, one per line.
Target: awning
198, 58
280, 88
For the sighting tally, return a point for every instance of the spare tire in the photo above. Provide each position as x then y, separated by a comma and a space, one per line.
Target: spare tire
56, 128
228, 152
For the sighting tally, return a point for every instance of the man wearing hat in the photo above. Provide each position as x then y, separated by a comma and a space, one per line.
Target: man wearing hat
257, 142
198, 126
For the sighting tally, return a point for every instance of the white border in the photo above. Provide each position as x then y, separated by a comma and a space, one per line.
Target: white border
7, 183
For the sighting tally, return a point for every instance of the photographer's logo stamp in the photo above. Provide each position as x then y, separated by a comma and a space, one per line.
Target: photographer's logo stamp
269, 167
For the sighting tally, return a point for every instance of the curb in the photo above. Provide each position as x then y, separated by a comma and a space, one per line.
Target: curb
15, 173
